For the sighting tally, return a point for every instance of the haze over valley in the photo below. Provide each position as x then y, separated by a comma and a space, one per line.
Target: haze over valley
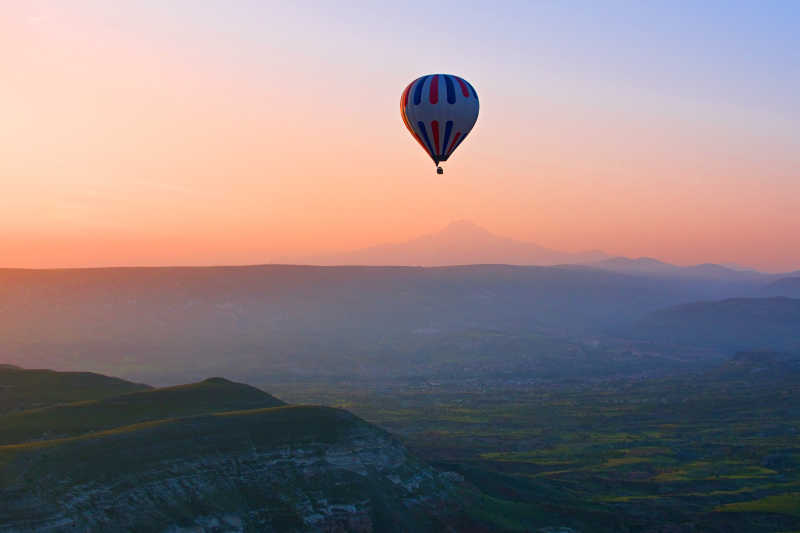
168, 325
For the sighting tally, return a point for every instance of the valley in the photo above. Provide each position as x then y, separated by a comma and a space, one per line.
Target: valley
718, 451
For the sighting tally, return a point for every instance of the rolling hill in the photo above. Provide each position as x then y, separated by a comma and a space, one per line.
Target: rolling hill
735, 324
789, 287
209, 396
26, 389
211, 456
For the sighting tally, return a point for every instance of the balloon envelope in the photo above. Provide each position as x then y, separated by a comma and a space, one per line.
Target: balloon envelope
439, 110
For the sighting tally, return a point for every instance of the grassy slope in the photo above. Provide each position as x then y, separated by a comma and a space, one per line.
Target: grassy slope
788, 503
26, 389
129, 441
209, 396
94, 455
212, 447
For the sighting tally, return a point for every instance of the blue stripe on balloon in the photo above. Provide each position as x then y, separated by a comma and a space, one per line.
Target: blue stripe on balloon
451, 90
421, 126
418, 90
461, 140
448, 129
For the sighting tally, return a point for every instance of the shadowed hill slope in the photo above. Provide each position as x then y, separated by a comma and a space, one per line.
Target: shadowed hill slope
26, 389
764, 365
784, 287
732, 324
209, 396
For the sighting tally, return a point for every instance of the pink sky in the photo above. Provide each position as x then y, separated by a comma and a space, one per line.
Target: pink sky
138, 136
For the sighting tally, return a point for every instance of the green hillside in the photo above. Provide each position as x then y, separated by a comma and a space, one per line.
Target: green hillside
285, 468
26, 389
209, 396
92, 456
214, 454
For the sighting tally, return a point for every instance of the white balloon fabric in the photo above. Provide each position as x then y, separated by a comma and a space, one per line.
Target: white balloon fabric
439, 110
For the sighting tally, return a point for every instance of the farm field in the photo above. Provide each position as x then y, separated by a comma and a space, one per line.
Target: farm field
714, 451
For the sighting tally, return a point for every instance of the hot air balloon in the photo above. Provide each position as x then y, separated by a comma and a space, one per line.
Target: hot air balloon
439, 110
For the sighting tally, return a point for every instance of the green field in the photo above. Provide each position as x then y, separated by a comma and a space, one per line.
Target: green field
718, 451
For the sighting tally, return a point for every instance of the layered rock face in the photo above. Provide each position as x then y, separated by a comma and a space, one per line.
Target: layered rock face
277, 469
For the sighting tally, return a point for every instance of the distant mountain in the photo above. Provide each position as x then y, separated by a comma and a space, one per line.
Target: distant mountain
736, 266
460, 243
784, 287
27, 389
465, 243
192, 464
654, 267
732, 324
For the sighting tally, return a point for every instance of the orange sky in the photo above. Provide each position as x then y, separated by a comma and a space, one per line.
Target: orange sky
144, 138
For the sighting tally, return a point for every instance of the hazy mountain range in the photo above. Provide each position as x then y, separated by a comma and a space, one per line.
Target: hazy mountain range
465, 243
181, 324
460, 243
789, 286
653, 267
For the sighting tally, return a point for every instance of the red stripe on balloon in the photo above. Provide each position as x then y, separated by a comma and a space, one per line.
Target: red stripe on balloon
414, 133
455, 140
404, 98
403, 106
435, 128
464, 89
435, 89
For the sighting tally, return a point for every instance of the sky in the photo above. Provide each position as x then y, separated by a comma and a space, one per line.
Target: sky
212, 132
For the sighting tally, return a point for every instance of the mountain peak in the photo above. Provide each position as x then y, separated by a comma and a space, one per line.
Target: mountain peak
464, 226
638, 261
649, 261
464, 231
461, 242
